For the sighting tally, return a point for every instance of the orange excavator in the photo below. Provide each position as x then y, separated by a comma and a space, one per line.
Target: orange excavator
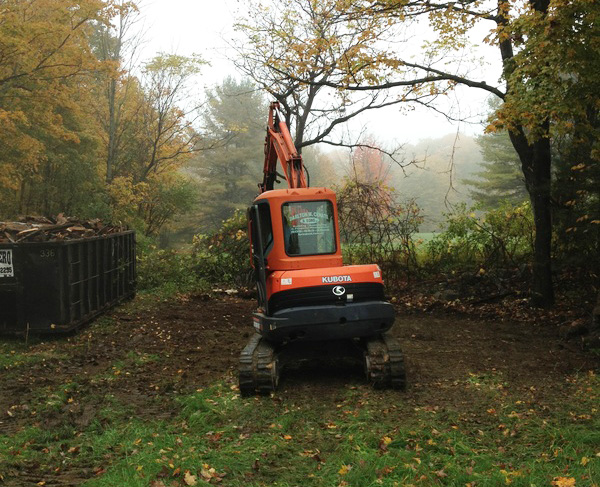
305, 293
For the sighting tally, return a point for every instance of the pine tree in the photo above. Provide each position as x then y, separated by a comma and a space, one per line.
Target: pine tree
502, 178
229, 172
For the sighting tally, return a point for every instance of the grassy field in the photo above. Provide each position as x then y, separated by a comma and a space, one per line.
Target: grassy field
473, 429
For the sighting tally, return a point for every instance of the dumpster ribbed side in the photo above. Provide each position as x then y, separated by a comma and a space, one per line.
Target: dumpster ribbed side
58, 286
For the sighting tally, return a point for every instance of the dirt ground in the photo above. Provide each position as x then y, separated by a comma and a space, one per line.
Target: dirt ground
186, 344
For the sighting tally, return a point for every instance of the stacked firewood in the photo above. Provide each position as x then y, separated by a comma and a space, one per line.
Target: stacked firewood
42, 229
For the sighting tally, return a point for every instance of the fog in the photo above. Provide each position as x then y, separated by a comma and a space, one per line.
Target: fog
205, 27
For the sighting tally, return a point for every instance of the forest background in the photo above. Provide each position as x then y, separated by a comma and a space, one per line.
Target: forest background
90, 132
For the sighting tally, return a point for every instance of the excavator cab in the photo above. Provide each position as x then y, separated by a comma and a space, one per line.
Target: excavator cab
305, 293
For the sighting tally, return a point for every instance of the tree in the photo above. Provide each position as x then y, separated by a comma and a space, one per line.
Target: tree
111, 43
234, 126
47, 139
170, 134
368, 165
162, 135
501, 178
550, 82
302, 51
324, 168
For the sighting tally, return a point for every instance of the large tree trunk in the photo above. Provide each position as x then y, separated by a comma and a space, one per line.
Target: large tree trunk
536, 162
542, 291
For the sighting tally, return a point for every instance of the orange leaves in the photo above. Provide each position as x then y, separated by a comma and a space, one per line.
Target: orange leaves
563, 482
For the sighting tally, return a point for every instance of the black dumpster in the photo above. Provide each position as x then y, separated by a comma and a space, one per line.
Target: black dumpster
57, 286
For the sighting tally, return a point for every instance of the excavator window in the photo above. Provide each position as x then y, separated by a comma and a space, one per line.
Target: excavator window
309, 228
264, 213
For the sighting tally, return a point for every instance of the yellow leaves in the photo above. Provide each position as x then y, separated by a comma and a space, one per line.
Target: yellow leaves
508, 476
189, 479
345, 469
585, 461
209, 474
384, 442
563, 482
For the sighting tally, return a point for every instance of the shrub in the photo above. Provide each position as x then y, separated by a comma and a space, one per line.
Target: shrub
376, 228
159, 268
499, 239
223, 257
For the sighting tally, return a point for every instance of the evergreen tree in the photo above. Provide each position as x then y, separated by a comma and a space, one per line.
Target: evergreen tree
229, 172
501, 178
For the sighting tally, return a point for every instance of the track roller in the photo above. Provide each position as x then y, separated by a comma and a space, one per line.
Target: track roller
384, 363
259, 367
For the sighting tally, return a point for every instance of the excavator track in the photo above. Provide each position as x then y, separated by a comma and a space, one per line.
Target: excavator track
384, 363
259, 367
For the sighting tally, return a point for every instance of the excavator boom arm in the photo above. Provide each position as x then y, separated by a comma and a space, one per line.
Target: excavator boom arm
280, 146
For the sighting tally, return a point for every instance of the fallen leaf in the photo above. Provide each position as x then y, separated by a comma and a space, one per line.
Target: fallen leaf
563, 482
345, 469
189, 479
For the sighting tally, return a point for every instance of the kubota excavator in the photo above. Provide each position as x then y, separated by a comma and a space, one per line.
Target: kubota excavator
304, 291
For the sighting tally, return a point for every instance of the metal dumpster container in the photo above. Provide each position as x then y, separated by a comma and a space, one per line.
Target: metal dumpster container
57, 286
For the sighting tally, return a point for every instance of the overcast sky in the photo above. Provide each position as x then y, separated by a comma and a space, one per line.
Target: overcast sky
204, 26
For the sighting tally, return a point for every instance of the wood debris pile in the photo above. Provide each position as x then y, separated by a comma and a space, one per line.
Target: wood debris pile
42, 229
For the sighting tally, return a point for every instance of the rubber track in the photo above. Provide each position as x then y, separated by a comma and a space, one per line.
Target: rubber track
385, 363
258, 372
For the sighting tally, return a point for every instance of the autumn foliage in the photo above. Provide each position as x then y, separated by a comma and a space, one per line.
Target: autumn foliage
79, 134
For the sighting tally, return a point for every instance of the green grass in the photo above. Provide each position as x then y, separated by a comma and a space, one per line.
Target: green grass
16, 352
365, 439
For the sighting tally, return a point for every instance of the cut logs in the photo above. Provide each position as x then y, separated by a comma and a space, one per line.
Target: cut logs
42, 229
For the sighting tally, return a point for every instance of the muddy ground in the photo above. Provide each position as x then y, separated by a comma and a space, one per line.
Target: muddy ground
144, 358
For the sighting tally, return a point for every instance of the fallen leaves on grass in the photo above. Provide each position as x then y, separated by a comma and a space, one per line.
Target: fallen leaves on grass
563, 482
189, 479
441, 474
383, 444
209, 474
345, 469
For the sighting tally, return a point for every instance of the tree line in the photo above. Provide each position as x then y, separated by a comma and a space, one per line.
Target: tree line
81, 133
86, 131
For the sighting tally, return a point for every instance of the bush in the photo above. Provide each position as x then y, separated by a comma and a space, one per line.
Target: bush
376, 228
500, 239
224, 256
170, 268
